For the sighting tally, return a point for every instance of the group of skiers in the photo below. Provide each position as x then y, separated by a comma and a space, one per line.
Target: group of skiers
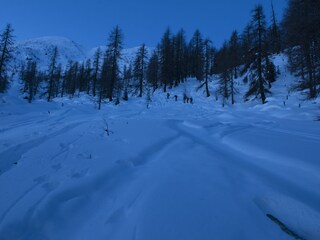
186, 99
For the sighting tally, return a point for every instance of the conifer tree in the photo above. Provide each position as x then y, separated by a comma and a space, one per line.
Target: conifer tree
63, 83
166, 60
234, 53
52, 72
57, 80
196, 51
88, 75
274, 33
301, 23
96, 70
111, 73
81, 79
257, 68
226, 73
247, 47
29, 77
213, 63
68, 80
180, 57
74, 78
140, 66
6, 53
153, 70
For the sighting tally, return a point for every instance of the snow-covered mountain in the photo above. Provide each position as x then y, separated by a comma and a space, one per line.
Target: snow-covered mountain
40, 50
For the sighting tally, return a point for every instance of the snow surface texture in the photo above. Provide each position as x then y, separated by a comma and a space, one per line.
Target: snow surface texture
170, 171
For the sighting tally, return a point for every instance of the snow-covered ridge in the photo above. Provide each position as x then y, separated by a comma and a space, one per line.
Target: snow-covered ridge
40, 49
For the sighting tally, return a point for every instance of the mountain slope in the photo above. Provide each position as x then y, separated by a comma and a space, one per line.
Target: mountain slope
40, 50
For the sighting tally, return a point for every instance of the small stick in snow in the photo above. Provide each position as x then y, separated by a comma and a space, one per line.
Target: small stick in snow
107, 129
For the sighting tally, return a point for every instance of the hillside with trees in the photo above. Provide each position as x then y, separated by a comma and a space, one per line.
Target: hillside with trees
246, 55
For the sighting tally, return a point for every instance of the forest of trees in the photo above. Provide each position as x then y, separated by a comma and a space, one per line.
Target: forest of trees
246, 55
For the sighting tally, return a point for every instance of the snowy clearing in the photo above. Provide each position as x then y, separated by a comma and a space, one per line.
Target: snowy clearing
174, 171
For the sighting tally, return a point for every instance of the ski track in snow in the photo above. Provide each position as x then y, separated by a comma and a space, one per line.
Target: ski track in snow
286, 186
14, 154
83, 192
24, 148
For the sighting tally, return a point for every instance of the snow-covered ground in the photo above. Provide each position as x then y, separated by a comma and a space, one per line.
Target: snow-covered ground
170, 171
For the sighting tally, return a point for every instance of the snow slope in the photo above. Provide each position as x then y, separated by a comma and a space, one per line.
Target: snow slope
40, 50
173, 171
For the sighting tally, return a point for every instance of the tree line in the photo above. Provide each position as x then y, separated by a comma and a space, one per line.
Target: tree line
171, 63
245, 55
